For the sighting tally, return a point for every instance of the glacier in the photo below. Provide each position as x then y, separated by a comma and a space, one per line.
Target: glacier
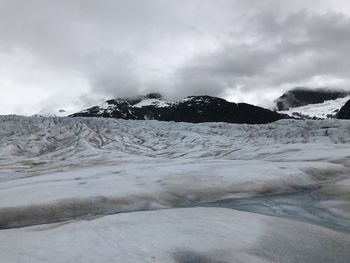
109, 190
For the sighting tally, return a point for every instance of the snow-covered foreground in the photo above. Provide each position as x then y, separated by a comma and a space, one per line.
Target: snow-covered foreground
176, 235
105, 190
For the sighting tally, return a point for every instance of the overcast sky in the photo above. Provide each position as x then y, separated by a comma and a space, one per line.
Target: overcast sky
70, 54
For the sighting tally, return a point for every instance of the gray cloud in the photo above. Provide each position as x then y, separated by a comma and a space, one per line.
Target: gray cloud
79, 51
302, 48
112, 74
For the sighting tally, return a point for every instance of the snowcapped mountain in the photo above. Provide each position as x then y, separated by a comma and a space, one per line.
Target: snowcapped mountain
324, 110
195, 109
125, 108
302, 103
302, 96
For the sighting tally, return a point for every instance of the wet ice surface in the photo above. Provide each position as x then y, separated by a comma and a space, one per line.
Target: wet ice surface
68, 186
299, 206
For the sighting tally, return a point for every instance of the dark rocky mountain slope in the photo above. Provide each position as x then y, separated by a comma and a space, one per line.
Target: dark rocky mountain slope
344, 112
195, 109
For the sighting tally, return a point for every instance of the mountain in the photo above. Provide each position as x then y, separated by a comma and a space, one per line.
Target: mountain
344, 112
302, 96
194, 109
324, 110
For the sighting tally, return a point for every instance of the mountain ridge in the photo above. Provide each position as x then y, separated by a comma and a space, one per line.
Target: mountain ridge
193, 109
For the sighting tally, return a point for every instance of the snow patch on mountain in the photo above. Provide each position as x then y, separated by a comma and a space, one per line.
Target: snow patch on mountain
153, 102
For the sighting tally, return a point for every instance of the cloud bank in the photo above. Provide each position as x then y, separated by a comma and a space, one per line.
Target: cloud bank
69, 54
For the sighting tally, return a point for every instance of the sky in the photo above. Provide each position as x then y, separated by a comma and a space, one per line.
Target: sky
72, 54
